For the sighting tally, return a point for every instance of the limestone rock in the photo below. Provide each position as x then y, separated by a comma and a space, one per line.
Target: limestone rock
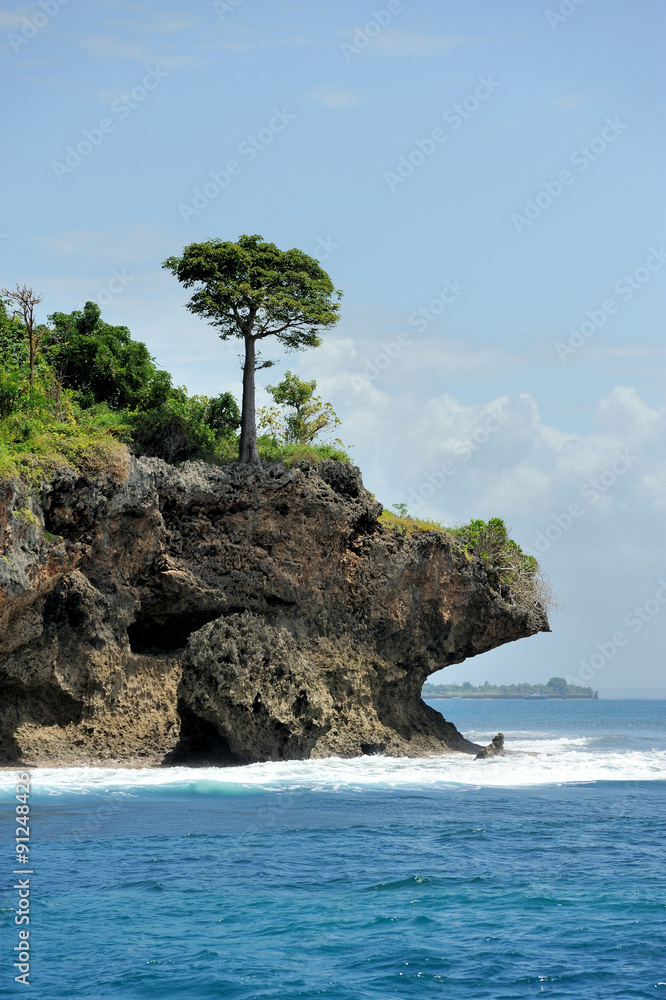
228, 615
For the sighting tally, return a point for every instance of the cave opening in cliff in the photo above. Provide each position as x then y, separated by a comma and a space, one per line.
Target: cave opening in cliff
200, 744
162, 633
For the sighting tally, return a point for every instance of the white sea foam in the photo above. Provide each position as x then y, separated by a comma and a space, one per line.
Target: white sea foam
551, 760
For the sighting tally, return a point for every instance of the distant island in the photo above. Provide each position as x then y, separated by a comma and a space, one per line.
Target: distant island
556, 687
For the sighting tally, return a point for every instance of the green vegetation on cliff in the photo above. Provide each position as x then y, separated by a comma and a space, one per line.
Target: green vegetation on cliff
81, 392
514, 573
92, 391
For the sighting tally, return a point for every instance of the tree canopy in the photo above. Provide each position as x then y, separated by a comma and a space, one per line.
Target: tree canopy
253, 290
102, 363
86, 385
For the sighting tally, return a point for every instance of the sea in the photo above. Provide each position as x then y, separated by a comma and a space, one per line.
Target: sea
538, 874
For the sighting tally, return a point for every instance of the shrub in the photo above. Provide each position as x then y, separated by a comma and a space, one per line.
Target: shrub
11, 387
515, 574
223, 415
303, 417
271, 450
175, 431
38, 438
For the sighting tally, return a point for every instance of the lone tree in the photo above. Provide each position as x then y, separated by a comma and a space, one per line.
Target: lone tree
253, 290
26, 300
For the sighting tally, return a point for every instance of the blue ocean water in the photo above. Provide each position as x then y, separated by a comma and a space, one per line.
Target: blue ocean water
537, 874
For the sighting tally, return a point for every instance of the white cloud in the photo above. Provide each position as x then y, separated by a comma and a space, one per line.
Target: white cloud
507, 460
338, 97
624, 407
225, 44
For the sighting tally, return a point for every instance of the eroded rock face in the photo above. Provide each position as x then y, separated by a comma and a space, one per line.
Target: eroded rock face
228, 615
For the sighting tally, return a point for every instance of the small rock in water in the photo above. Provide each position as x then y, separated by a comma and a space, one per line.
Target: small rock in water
494, 749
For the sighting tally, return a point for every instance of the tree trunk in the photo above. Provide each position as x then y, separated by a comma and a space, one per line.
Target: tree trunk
32, 359
248, 437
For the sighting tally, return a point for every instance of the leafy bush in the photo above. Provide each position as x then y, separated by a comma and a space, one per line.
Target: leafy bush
271, 450
223, 415
491, 542
11, 387
175, 431
516, 574
45, 434
186, 427
102, 364
13, 344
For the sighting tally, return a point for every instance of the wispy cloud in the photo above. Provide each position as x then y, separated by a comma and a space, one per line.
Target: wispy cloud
135, 244
401, 42
10, 20
164, 21
229, 43
573, 99
648, 359
49, 81
296, 42
338, 97
112, 47
110, 95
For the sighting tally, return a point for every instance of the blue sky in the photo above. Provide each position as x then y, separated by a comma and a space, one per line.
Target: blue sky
480, 178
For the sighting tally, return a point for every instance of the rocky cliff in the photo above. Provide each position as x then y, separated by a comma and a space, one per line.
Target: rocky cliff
228, 615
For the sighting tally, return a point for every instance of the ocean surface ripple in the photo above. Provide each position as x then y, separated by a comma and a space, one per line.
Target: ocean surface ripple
539, 873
